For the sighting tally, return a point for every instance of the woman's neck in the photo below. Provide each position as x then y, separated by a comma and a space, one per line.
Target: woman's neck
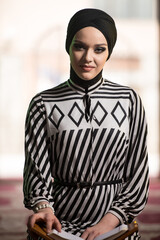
84, 83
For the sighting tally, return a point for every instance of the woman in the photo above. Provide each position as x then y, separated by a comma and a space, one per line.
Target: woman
86, 152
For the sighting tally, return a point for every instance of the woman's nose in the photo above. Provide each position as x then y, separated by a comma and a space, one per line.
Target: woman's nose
88, 56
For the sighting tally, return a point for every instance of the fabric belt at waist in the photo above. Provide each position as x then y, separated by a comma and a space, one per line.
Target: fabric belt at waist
86, 184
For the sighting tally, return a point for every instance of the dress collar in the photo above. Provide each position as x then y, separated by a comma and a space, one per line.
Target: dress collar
83, 90
84, 86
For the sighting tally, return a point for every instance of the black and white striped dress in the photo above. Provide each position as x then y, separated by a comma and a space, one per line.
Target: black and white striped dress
61, 144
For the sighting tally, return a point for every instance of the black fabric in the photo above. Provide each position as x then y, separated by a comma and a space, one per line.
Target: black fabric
84, 83
87, 103
94, 18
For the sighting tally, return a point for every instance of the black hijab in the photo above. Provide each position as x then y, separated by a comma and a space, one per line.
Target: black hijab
93, 18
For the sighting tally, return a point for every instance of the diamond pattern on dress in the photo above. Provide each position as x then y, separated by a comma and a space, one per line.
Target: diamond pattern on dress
99, 113
76, 114
119, 113
56, 116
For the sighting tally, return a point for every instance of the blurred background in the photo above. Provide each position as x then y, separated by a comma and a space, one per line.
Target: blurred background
33, 58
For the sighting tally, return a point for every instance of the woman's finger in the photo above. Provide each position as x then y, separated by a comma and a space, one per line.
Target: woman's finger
89, 234
49, 222
85, 234
31, 221
57, 225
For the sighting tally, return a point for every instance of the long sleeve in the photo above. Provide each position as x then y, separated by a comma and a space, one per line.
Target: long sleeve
37, 184
134, 192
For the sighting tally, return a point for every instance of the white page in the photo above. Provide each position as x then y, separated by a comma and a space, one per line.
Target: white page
65, 235
120, 229
68, 236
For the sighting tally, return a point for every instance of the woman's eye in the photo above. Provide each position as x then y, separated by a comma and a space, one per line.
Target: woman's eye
100, 49
78, 46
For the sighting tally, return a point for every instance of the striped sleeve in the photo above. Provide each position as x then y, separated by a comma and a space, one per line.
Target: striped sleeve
134, 193
37, 182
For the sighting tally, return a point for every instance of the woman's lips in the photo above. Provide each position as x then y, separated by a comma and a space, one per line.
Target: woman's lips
86, 68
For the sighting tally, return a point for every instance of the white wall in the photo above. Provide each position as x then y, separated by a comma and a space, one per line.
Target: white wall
33, 58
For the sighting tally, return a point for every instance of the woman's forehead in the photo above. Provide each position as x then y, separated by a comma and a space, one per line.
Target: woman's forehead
90, 34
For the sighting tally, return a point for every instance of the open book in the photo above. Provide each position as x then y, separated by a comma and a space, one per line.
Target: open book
111, 235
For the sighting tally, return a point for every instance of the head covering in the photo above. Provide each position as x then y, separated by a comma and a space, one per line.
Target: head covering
91, 17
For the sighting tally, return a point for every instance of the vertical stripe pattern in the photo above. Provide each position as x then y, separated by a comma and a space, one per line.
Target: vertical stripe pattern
61, 144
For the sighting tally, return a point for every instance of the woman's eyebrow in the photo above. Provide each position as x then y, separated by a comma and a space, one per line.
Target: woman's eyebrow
100, 44
78, 41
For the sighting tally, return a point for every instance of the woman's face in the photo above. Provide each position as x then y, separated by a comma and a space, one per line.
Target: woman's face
88, 52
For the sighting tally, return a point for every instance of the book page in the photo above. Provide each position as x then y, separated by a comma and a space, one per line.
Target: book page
111, 235
63, 235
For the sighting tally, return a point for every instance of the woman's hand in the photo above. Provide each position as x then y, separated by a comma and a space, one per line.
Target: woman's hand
107, 223
47, 216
